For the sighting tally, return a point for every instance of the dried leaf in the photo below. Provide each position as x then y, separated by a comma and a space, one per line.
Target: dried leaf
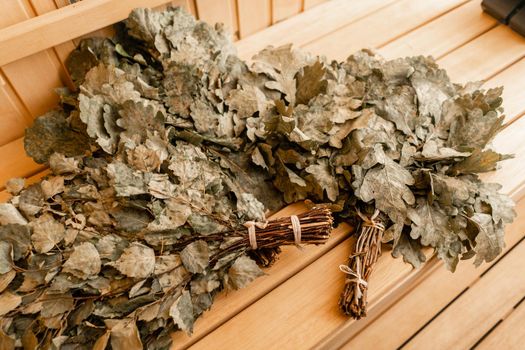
310, 82
124, 334
6, 257
47, 232
195, 256
242, 272
84, 262
136, 261
8, 302
181, 311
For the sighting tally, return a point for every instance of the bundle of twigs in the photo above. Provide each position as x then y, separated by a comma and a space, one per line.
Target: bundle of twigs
367, 250
311, 227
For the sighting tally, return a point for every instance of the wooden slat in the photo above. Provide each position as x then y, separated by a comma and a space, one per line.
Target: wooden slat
448, 33
514, 89
15, 163
510, 334
498, 47
254, 15
473, 314
217, 11
308, 4
380, 27
45, 6
310, 25
14, 117
433, 294
53, 28
282, 9
35, 77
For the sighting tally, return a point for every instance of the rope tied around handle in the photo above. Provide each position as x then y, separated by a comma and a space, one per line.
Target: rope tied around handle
296, 227
252, 225
371, 221
354, 277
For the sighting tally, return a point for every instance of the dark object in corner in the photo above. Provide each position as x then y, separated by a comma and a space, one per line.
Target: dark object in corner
510, 12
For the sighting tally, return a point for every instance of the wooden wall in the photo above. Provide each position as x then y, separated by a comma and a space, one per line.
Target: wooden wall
37, 35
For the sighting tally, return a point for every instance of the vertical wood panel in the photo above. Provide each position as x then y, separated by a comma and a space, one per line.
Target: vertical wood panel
254, 15
63, 50
217, 11
235, 16
190, 6
18, 80
282, 9
34, 77
311, 3
14, 117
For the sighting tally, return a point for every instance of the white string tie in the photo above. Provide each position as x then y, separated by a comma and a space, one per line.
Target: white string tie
251, 225
354, 277
296, 227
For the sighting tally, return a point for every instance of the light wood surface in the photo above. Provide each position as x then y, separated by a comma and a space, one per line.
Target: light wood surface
295, 305
510, 334
449, 32
380, 27
254, 15
282, 9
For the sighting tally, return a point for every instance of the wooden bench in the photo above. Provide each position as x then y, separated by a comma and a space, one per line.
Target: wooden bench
295, 305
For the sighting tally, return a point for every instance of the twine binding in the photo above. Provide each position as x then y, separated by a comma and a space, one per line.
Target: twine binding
252, 225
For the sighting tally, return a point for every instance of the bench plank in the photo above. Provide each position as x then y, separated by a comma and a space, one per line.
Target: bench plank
309, 25
493, 51
380, 27
510, 334
476, 311
50, 29
447, 32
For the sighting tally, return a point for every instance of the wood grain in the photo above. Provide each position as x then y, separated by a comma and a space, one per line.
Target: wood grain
217, 11
39, 33
308, 4
308, 26
283, 9
499, 47
510, 334
469, 317
14, 116
380, 27
33, 78
254, 15
447, 32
